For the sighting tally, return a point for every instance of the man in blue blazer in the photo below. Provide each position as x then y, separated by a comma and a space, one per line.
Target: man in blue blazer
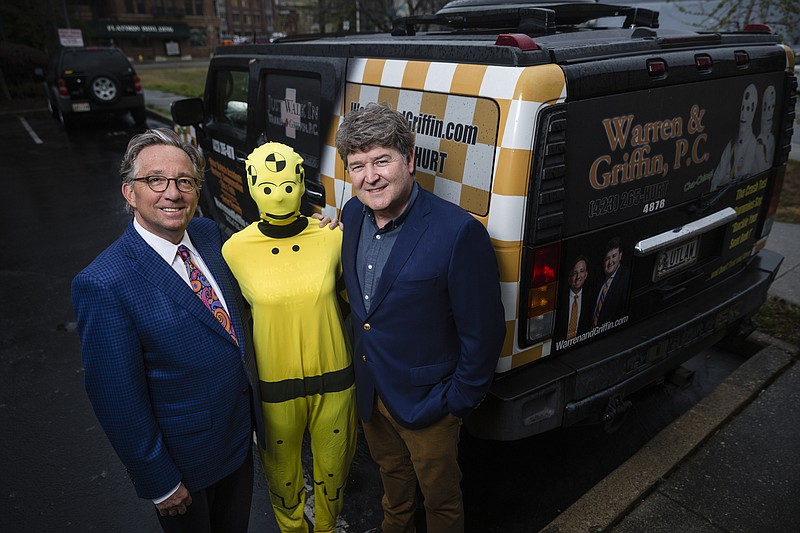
169, 368
427, 318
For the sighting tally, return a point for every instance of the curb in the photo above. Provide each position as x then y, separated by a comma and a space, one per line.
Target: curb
605, 504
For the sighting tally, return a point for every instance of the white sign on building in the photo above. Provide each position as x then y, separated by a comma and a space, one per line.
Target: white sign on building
70, 37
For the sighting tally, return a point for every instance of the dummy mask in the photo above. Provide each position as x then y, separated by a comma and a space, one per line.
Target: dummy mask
276, 180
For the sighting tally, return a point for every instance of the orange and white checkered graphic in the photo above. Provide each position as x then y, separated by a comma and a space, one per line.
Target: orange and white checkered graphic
187, 134
475, 128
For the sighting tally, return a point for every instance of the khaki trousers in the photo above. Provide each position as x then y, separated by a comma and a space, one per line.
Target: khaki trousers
406, 457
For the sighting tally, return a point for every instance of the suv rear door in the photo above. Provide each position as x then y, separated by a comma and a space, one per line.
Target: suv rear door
284, 98
659, 167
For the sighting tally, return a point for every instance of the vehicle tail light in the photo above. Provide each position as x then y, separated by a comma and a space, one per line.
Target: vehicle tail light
517, 40
742, 58
62, 87
758, 28
137, 83
542, 292
657, 68
703, 62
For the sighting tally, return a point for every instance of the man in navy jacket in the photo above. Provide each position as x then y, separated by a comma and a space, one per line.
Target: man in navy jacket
170, 374
427, 318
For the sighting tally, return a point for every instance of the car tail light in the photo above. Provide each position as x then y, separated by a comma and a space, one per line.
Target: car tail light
542, 292
517, 40
742, 58
62, 87
757, 28
137, 83
657, 68
703, 62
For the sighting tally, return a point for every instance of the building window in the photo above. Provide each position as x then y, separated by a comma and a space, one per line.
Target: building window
194, 7
198, 37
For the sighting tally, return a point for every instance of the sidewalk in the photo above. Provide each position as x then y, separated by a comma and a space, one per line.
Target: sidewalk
729, 464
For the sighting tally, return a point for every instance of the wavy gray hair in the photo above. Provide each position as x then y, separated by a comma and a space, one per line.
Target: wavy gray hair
371, 126
160, 137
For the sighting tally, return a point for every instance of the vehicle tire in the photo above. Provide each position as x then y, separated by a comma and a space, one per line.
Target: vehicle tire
67, 120
104, 89
139, 115
53, 108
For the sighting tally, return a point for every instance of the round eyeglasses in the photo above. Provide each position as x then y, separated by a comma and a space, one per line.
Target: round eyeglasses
160, 183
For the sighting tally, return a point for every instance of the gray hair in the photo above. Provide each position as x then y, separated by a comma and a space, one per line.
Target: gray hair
371, 126
160, 137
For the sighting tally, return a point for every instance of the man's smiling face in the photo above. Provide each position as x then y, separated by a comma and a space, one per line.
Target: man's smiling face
166, 213
383, 180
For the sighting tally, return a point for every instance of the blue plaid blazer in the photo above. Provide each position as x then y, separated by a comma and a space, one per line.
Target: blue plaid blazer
169, 386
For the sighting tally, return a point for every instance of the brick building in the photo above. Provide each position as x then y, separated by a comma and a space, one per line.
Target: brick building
169, 29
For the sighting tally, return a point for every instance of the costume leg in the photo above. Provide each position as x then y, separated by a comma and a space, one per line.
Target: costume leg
397, 473
333, 429
285, 424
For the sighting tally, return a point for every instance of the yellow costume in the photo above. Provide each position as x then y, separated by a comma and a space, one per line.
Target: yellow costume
288, 269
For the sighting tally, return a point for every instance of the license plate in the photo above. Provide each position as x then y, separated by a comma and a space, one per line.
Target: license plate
675, 259
79, 107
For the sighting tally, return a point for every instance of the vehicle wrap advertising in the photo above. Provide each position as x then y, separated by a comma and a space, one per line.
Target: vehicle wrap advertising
681, 142
456, 138
605, 283
293, 114
228, 189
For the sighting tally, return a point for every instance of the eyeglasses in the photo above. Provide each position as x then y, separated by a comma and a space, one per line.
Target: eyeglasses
357, 169
160, 183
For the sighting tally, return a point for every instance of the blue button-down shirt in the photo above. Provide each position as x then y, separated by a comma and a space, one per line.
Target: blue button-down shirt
375, 245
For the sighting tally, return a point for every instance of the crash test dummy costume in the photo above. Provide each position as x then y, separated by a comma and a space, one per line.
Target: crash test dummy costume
288, 270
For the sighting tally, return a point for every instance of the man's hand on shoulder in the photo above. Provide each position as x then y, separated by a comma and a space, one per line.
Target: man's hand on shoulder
177, 503
325, 219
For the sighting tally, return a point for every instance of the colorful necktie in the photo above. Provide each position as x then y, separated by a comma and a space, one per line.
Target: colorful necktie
600, 302
573, 318
205, 291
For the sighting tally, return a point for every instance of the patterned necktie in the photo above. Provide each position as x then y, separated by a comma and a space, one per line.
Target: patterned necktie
573, 318
600, 302
205, 291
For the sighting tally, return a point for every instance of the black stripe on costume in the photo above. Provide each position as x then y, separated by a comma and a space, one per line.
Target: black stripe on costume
289, 389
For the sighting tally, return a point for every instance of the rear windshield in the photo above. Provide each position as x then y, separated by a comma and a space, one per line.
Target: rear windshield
93, 60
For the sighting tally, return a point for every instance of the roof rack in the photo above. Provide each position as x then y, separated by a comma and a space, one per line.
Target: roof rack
530, 18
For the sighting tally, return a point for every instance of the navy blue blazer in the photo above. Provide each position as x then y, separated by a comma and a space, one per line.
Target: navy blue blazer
169, 386
430, 342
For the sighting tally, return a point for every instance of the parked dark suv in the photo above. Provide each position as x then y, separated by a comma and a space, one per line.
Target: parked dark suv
93, 80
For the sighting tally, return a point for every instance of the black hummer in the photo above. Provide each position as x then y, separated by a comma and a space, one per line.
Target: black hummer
628, 175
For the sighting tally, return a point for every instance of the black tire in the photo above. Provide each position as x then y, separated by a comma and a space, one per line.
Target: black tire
67, 120
104, 89
53, 107
139, 115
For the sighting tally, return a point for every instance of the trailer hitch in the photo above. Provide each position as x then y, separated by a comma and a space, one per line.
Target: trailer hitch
616, 412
